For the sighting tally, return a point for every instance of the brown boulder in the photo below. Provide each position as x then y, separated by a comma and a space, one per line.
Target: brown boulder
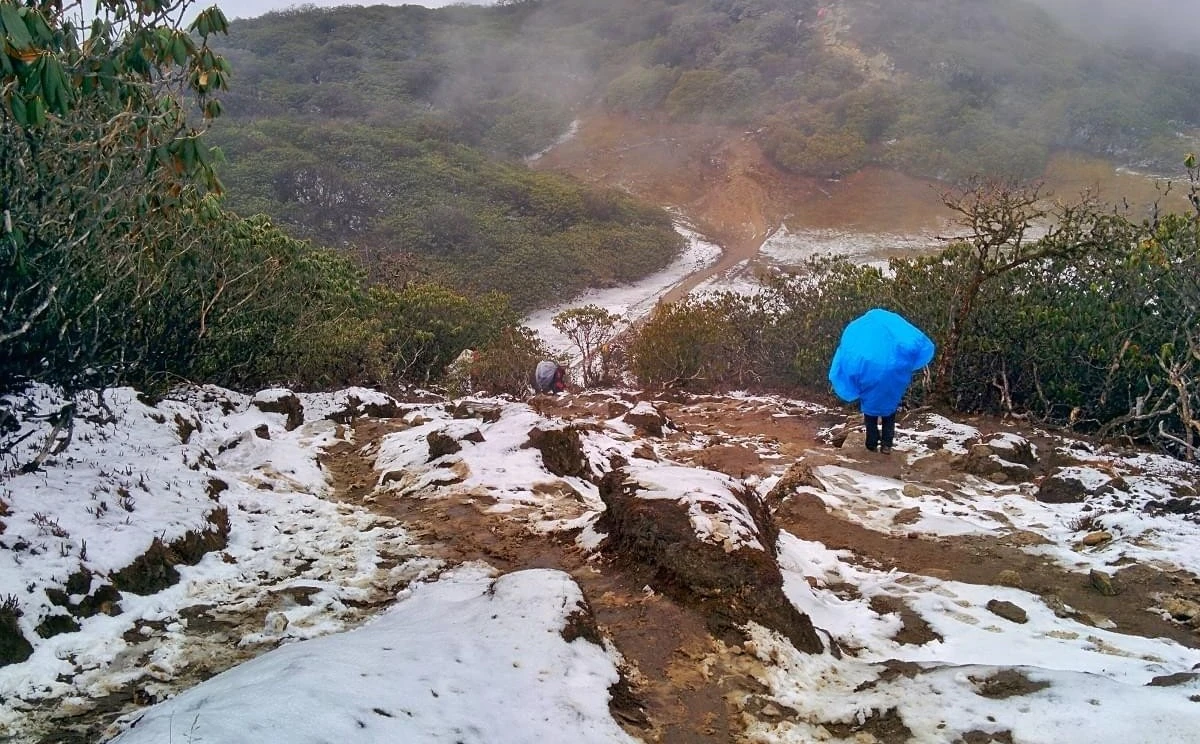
729, 587
647, 419
1062, 488
288, 404
562, 450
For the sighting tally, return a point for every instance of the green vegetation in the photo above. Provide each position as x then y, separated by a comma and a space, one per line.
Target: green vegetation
106, 190
1091, 326
120, 264
468, 221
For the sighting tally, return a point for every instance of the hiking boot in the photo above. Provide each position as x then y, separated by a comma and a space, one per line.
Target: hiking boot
885, 450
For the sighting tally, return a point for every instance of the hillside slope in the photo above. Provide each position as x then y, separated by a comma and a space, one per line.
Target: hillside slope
377, 128
982, 583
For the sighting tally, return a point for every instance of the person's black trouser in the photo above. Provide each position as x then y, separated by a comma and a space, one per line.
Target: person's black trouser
889, 430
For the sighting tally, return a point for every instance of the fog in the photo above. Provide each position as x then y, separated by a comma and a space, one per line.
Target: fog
252, 8
1173, 24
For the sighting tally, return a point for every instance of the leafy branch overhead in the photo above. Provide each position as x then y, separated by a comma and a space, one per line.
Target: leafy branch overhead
128, 56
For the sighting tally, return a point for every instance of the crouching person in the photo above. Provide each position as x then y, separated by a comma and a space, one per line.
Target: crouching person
549, 377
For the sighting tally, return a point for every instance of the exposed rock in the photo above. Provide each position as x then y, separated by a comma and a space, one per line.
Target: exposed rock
1057, 606
617, 409
914, 629
799, 474
647, 419
912, 491
1007, 610
984, 461
215, 488
979, 736
1096, 538
1006, 683
934, 443
1181, 609
855, 439
441, 444
646, 452
14, 648
1173, 680
262, 431
56, 625
1013, 448
1009, 577
1061, 488
730, 588
486, 412
275, 623
562, 450
910, 515
155, 570
355, 408
874, 726
1188, 505
185, 427
287, 404
103, 599
1102, 583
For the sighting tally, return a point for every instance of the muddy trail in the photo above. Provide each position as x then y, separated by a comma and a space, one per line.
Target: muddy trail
670, 693
717, 178
680, 683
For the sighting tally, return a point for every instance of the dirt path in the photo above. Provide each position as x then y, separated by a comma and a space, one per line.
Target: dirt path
983, 560
678, 681
681, 685
717, 177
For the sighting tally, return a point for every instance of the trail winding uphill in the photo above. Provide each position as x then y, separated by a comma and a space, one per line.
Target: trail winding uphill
717, 178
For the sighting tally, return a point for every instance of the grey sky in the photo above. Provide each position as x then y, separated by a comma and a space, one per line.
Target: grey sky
251, 8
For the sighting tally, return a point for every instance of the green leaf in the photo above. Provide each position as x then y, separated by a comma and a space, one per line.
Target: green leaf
19, 110
16, 33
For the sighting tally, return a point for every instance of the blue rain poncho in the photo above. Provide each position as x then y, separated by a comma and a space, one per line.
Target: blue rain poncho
876, 359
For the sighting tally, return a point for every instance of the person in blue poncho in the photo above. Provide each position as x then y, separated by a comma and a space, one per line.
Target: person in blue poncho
874, 364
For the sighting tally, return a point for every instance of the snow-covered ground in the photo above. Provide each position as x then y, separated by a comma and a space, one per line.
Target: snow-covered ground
794, 247
436, 653
631, 302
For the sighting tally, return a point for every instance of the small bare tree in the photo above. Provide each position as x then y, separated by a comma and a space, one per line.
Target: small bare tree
591, 329
1002, 219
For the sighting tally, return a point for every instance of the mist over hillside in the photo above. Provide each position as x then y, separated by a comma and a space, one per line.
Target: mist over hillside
1171, 24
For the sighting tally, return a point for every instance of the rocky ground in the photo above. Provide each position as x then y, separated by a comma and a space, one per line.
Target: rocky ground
751, 565
689, 678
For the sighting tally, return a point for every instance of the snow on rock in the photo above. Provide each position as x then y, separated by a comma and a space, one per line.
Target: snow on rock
293, 565
1051, 679
469, 658
717, 515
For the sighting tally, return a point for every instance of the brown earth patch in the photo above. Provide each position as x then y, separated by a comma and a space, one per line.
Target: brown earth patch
681, 684
674, 691
1006, 683
979, 560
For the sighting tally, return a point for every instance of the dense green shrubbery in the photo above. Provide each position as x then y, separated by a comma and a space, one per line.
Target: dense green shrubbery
121, 266
468, 221
948, 89
1093, 326
504, 365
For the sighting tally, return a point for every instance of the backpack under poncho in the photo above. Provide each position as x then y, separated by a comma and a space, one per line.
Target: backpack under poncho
875, 361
